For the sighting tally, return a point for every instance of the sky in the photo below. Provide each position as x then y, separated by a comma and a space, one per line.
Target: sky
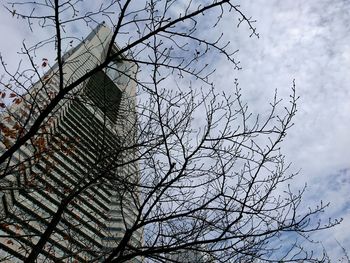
305, 41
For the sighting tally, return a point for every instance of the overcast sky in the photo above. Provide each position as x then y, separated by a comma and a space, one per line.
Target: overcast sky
308, 41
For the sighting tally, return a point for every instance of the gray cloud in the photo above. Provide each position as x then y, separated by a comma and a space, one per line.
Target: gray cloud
309, 42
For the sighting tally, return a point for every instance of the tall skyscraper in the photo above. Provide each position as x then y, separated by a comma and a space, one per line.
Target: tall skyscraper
85, 142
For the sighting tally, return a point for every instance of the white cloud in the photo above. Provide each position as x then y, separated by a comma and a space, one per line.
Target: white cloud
306, 41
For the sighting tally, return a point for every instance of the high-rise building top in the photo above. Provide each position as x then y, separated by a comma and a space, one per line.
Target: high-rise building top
83, 143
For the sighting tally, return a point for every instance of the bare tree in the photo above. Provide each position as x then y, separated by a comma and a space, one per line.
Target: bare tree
193, 174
